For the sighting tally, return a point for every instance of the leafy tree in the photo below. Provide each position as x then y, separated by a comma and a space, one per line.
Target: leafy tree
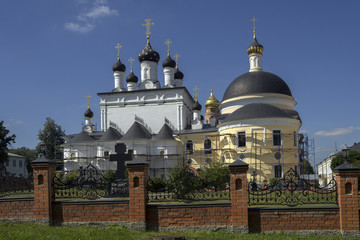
354, 158
51, 137
216, 174
306, 168
5, 141
29, 154
182, 181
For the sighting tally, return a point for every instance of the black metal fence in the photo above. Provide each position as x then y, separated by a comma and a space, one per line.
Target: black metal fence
186, 187
291, 190
13, 186
88, 183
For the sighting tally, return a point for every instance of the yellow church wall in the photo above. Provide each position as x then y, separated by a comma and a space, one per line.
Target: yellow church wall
259, 150
199, 154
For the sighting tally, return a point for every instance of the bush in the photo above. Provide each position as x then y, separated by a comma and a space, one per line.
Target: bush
72, 176
216, 175
156, 185
273, 181
110, 175
182, 181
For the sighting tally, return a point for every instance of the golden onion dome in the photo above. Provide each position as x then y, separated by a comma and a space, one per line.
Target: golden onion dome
212, 102
255, 47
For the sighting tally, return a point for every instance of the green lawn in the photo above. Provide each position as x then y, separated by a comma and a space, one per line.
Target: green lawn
30, 231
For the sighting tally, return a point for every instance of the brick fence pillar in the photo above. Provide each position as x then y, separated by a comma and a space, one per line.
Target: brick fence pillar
44, 172
239, 199
138, 176
347, 190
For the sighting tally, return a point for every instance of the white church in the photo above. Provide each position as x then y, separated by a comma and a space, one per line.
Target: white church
161, 123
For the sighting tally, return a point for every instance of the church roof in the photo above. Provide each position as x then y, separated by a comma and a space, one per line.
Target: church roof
196, 106
178, 74
110, 135
257, 110
82, 137
168, 62
165, 133
256, 82
88, 113
148, 53
137, 131
132, 78
119, 66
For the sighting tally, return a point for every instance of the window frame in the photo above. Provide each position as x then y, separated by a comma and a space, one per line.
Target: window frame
189, 151
207, 150
277, 135
238, 139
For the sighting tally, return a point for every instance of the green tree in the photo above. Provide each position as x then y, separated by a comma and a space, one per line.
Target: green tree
29, 154
51, 137
5, 141
306, 168
354, 158
216, 174
182, 181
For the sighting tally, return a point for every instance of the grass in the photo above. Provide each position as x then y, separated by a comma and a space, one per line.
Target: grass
30, 231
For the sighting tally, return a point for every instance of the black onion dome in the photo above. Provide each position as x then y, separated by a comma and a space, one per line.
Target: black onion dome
169, 62
88, 113
178, 74
256, 82
196, 106
257, 110
148, 53
255, 47
119, 66
132, 78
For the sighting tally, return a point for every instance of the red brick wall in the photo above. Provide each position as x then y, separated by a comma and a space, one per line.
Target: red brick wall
272, 219
90, 211
17, 208
188, 215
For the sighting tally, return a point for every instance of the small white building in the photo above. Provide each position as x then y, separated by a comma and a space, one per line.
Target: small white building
16, 165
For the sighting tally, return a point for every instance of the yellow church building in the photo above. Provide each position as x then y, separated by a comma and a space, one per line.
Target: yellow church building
255, 122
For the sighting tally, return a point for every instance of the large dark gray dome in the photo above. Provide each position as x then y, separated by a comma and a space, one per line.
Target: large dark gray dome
257, 110
256, 82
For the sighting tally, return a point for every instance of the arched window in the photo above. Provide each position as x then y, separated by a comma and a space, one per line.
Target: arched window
207, 146
190, 147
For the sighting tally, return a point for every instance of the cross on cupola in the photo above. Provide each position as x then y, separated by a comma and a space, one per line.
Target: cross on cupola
147, 25
120, 157
168, 43
195, 90
118, 47
177, 56
88, 97
131, 60
254, 27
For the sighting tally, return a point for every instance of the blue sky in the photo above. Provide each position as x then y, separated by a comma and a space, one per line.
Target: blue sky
54, 53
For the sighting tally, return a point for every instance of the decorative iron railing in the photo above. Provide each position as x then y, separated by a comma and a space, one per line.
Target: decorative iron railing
187, 187
88, 183
11, 185
291, 190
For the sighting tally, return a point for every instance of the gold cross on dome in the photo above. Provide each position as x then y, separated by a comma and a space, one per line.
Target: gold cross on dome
196, 89
88, 97
131, 60
118, 47
176, 56
168, 43
148, 24
254, 20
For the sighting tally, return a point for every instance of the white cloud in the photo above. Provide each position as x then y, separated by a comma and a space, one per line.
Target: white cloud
337, 131
89, 18
98, 12
75, 27
11, 122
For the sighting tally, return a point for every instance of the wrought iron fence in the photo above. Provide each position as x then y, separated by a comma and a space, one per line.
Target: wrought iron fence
186, 187
88, 183
11, 185
291, 190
